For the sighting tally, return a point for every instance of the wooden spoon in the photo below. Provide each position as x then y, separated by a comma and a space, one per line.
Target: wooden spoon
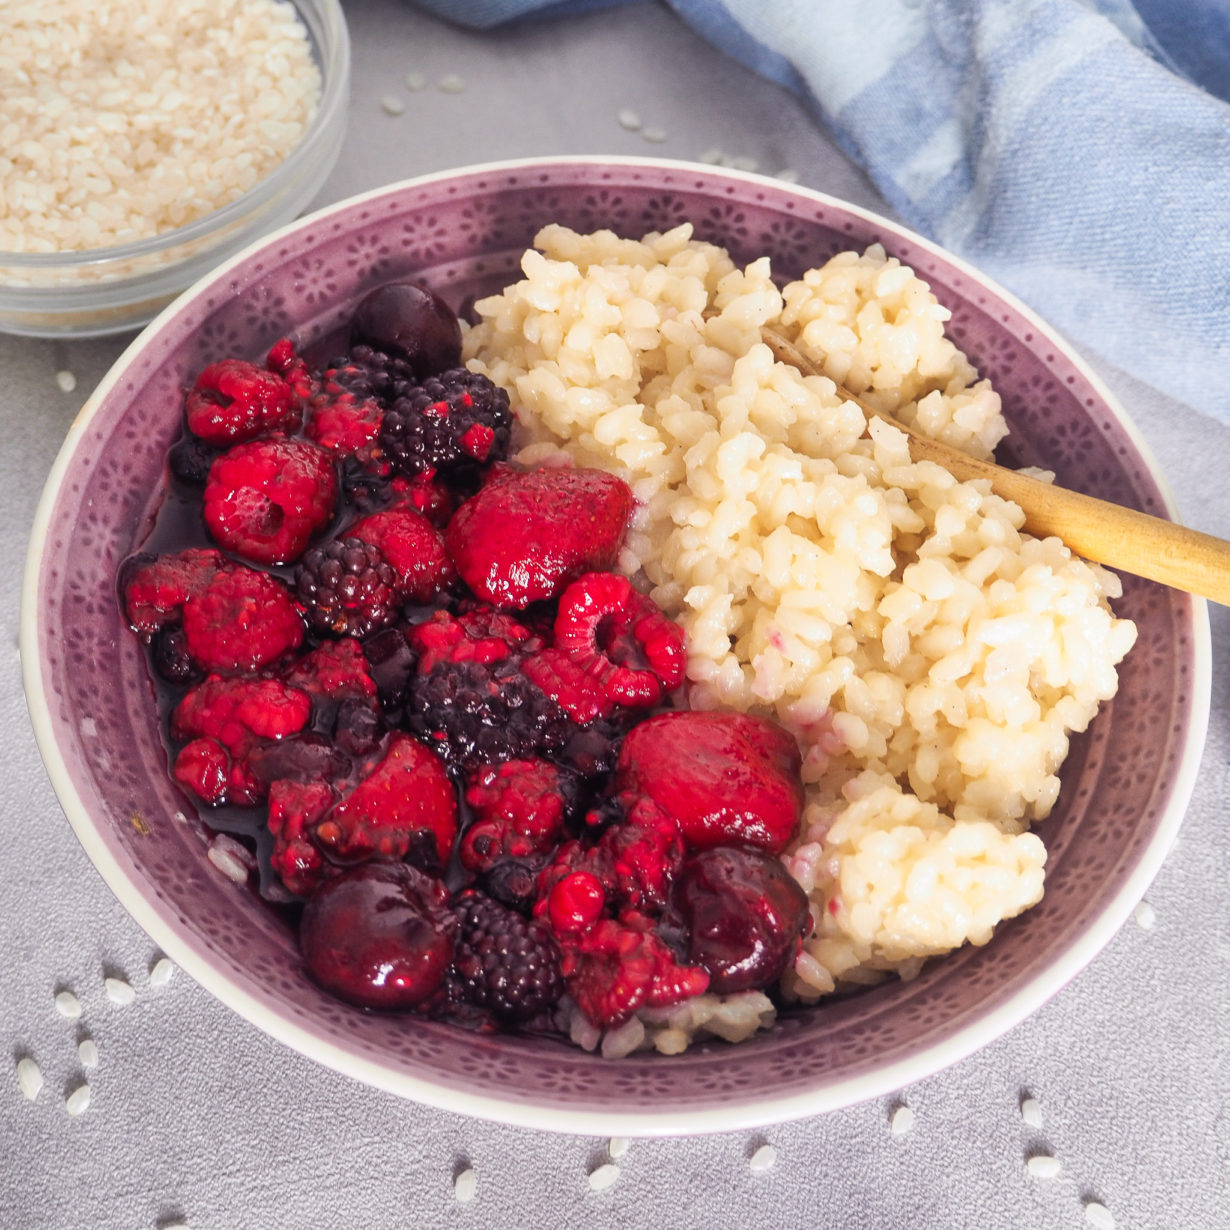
1106, 533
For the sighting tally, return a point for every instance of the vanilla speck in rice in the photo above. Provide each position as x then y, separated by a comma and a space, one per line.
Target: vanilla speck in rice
930, 657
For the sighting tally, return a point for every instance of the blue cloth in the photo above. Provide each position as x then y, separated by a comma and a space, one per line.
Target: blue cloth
1077, 151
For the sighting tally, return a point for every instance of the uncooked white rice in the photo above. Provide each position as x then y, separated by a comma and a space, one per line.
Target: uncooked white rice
68, 1005
604, 1176
616, 1147
764, 1158
161, 972
87, 1053
1099, 1216
120, 120
931, 658
465, 1186
119, 991
902, 1121
78, 1100
1031, 1113
29, 1078
1043, 1166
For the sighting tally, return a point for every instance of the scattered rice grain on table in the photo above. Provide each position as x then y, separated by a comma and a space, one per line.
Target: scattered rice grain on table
1099, 1216
1043, 1166
119, 991
1031, 1113
902, 1121
931, 657
603, 1177
161, 972
121, 121
68, 1005
616, 1147
465, 1186
764, 1158
29, 1078
87, 1053
78, 1100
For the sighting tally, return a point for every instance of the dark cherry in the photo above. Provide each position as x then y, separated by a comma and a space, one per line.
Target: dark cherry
744, 913
379, 936
411, 321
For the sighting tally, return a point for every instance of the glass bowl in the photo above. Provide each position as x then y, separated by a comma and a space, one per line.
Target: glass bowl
92, 292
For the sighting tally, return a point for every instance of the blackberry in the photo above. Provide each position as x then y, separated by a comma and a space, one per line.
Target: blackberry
503, 961
346, 588
454, 422
368, 372
479, 713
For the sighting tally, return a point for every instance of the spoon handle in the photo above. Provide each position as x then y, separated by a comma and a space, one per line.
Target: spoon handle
1121, 538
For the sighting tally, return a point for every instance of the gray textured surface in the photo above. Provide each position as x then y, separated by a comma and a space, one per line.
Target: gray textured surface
198, 1117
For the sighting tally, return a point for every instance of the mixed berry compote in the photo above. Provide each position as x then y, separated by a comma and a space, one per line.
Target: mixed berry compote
409, 676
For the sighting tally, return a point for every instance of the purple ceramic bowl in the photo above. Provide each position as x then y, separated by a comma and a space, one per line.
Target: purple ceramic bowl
1125, 785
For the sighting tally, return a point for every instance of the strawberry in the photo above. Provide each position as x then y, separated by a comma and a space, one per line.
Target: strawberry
240, 620
265, 499
726, 778
527, 533
412, 546
406, 792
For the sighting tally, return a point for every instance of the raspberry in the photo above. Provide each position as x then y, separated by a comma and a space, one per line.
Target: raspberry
346, 588
335, 670
519, 808
635, 860
380, 936
241, 620
620, 639
504, 962
222, 723
575, 902
288, 363
406, 791
233, 400
455, 421
155, 587
566, 681
527, 534
481, 634
294, 807
412, 546
476, 714
265, 499
344, 424
619, 966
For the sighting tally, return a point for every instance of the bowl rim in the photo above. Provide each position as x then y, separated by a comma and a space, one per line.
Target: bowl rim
745, 1113
332, 56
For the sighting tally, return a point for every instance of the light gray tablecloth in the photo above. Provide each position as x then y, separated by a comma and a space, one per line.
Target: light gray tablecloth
198, 1118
